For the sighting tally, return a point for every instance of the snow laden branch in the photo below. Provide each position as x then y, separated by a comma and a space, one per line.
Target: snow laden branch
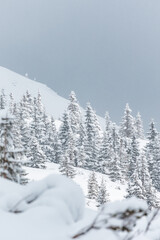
119, 217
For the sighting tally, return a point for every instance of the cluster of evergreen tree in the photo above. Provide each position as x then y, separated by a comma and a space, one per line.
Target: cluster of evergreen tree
97, 192
80, 142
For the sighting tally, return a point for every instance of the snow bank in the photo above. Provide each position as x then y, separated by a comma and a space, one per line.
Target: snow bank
39, 210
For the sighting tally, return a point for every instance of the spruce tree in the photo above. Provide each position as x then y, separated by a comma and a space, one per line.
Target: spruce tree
105, 154
135, 187
127, 128
156, 164
115, 169
2, 99
103, 195
108, 123
35, 156
139, 132
151, 151
134, 155
57, 151
10, 157
11, 103
92, 186
65, 132
91, 144
124, 156
74, 113
149, 190
66, 167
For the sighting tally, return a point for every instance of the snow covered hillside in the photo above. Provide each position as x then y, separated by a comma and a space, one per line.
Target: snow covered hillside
46, 210
116, 190
17, 84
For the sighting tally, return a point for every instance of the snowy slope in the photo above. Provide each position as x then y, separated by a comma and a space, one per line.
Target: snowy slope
18, 85
116, 190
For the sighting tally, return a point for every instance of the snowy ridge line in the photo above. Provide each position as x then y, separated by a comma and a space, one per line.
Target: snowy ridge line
17, 84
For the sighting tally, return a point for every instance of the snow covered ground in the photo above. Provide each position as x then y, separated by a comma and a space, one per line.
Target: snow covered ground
41, 210
53, 208
116, 190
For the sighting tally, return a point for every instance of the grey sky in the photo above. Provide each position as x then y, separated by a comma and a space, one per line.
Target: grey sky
108, 51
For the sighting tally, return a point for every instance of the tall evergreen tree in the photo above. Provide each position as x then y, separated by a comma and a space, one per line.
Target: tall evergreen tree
10, 162
74, 113
149, 190
92, 186
2, 99
11, 103
66, 167
139, 132
134, 155
103, 195
127, 126
151, 147
57, 150
36, 157
91, 146
108, 123
65, 132
124, 156
105, 154
155, 174
135, 187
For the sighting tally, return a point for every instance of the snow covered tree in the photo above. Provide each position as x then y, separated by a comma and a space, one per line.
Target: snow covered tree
50, 141
115, 168
103, 195
124, 156
35, 156
151, 147
57, 150
74, 112
72, 151
81, 156
152, 131
66, 167
115, 139
92, 186
127, 126
105, 154
10, 157
149, 190
11, 103
139, 132
65, 132
155, 174
135, 187
91, 139
108, 123
2, 99
134, 155
26, 107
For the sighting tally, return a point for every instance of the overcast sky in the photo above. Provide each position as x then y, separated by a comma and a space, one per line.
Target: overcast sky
107, 51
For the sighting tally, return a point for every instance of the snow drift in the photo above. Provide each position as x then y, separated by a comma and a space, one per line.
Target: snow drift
40, 208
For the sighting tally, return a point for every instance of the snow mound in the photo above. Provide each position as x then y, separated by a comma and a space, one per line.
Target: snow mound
53, 195
127, 204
